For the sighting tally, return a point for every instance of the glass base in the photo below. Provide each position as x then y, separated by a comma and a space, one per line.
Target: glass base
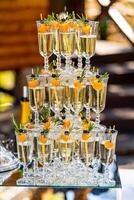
24, 181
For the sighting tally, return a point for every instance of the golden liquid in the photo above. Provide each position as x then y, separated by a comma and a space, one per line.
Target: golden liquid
67, 95
106, 155
46, 94
78, 42
77, 97
44, 152
45, 41
57, 97
56, 42
66, 150
68, 43
55, 147
87, 149
98, 99
88, 44
36, 98
25, 152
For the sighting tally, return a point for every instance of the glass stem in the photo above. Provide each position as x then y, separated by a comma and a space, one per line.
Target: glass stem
79, 61
25, 172
45, 62
97, 120
36, 117
68, 61
88, 112
58, 60
87, 63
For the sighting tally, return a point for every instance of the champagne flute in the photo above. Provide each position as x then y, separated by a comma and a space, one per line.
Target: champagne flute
88, 41
56, 94
25, 151
99, 91
45, 41
36, 95
77, 99
56, 47
67, 37
107, 143
44, 144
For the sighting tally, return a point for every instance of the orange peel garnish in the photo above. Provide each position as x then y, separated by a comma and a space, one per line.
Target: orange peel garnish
47, 124
97, 85
86, 125
86, 29
78, 84
33, 83
66, 123
109, 145
54, 25
55, 82
65, 137
42, 139
22, 137
86, 136
64, 27
43, 28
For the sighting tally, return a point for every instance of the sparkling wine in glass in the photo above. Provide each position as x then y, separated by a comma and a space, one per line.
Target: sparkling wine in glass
68, 44
107, 142
25, 151
99, 91
36, 95
45, 41
88, 37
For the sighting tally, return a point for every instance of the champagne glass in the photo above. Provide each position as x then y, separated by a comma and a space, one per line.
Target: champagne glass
56, 42
88, 36
87, 147
45, 81
44, 151
56, 94
36, 95
77, 99
67, 37
66, 147
45, 41
25, 151
99, 91
35, 130
107, 142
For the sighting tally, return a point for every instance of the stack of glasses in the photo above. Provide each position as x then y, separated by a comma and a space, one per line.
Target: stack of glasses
66, 146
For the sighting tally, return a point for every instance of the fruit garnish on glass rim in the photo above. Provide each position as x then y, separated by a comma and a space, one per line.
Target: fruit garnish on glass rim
19, 128
78, 83
87, 128
65, 136
98, 81
43, 136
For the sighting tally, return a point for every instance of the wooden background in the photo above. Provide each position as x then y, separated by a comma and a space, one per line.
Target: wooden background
18, 33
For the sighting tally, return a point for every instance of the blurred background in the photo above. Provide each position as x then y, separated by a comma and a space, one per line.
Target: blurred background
114, 53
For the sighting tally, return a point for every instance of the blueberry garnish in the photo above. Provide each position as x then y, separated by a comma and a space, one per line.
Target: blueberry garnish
97, 76
54, 76
33, 75
54, 67
66, 132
